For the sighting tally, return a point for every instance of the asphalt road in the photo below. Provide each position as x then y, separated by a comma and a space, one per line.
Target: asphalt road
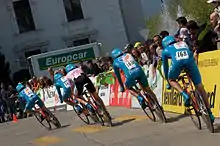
131, 128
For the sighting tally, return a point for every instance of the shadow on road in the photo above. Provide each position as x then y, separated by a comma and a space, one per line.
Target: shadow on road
63, 126
177, 118
217, 127
115, 124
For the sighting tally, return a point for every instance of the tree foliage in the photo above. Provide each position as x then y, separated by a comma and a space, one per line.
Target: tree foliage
153, 24
4, 69
198, 9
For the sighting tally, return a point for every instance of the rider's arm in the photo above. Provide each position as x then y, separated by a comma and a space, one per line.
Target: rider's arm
59, 93
118, 75
165, 64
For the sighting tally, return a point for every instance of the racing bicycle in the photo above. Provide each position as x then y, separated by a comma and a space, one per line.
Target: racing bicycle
45, 117
99, 115
152, 107
197, 107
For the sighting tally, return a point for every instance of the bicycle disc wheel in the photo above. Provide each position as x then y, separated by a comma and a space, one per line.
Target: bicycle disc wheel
53, 118
148, 110
204, 112
42, 120
195, 117
82, 115
157, 108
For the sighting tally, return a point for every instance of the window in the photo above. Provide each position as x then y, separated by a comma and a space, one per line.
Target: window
23, 16
33, 52
73, 10
81, 42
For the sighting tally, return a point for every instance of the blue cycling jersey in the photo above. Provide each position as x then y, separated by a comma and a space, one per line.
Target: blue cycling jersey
65, 84
180, 56
27, 94
127, 64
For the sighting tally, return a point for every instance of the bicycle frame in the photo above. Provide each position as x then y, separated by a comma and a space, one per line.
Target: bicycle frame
187, 86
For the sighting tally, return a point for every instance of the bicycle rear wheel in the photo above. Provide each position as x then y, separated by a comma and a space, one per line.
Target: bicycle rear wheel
42, 120
204, 112
156, 107
103, 115
83, 116
148, 110
53, 118
195, 117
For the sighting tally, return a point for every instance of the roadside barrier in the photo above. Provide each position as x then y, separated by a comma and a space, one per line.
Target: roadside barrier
171, 100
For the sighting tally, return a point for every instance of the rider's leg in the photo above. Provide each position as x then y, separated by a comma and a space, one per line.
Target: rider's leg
174, 72
197, 80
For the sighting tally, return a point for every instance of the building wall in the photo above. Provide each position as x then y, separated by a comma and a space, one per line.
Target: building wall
103, 23
134, 19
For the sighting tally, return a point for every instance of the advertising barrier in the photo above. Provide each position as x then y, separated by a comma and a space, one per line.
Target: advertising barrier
209, 66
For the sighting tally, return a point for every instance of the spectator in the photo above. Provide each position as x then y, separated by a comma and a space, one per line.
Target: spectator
216, 4
2, 111
214, 17
145, 54
83, 67
164, 33
204, 35
93, 68
12, 97
158, 41
136, 55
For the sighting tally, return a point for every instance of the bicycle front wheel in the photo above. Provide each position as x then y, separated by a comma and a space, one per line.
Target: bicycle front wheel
83, 116
204, 112
53, 118
195, 117
156, 107
42, 120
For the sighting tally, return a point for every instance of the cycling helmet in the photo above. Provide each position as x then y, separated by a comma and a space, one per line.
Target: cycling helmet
57, 76
128, 47
116, 53
19, 87
167, 41
70, 67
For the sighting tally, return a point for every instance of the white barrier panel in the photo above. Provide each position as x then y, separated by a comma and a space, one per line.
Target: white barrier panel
51, 99
155, 83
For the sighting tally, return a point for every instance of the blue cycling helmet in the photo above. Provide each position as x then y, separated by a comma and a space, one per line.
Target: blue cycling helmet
57, 76
167, 41
19, 87
116, 53
70, 67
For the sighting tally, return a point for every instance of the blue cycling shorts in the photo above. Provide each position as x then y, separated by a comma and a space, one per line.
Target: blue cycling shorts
138, 75
30, 103
190, 66
67, 93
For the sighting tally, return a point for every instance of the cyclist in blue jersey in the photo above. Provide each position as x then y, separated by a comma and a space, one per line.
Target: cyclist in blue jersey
133, 72
181, 59
28, 96
69, 91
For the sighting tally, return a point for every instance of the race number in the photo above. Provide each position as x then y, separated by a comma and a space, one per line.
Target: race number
129, 61
65, 82
29, 92
181, 45
181, 55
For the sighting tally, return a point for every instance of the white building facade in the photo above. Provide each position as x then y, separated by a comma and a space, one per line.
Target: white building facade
30, 27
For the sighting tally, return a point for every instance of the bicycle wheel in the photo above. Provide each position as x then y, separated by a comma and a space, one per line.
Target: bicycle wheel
83, 116
42, 120
53, 118
204, 112
157, 108
149, 109
195, 117
103, 115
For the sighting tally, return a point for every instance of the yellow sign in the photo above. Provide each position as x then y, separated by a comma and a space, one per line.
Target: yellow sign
172, 100
209, 66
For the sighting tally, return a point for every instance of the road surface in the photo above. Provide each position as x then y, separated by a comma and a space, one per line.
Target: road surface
131, 128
